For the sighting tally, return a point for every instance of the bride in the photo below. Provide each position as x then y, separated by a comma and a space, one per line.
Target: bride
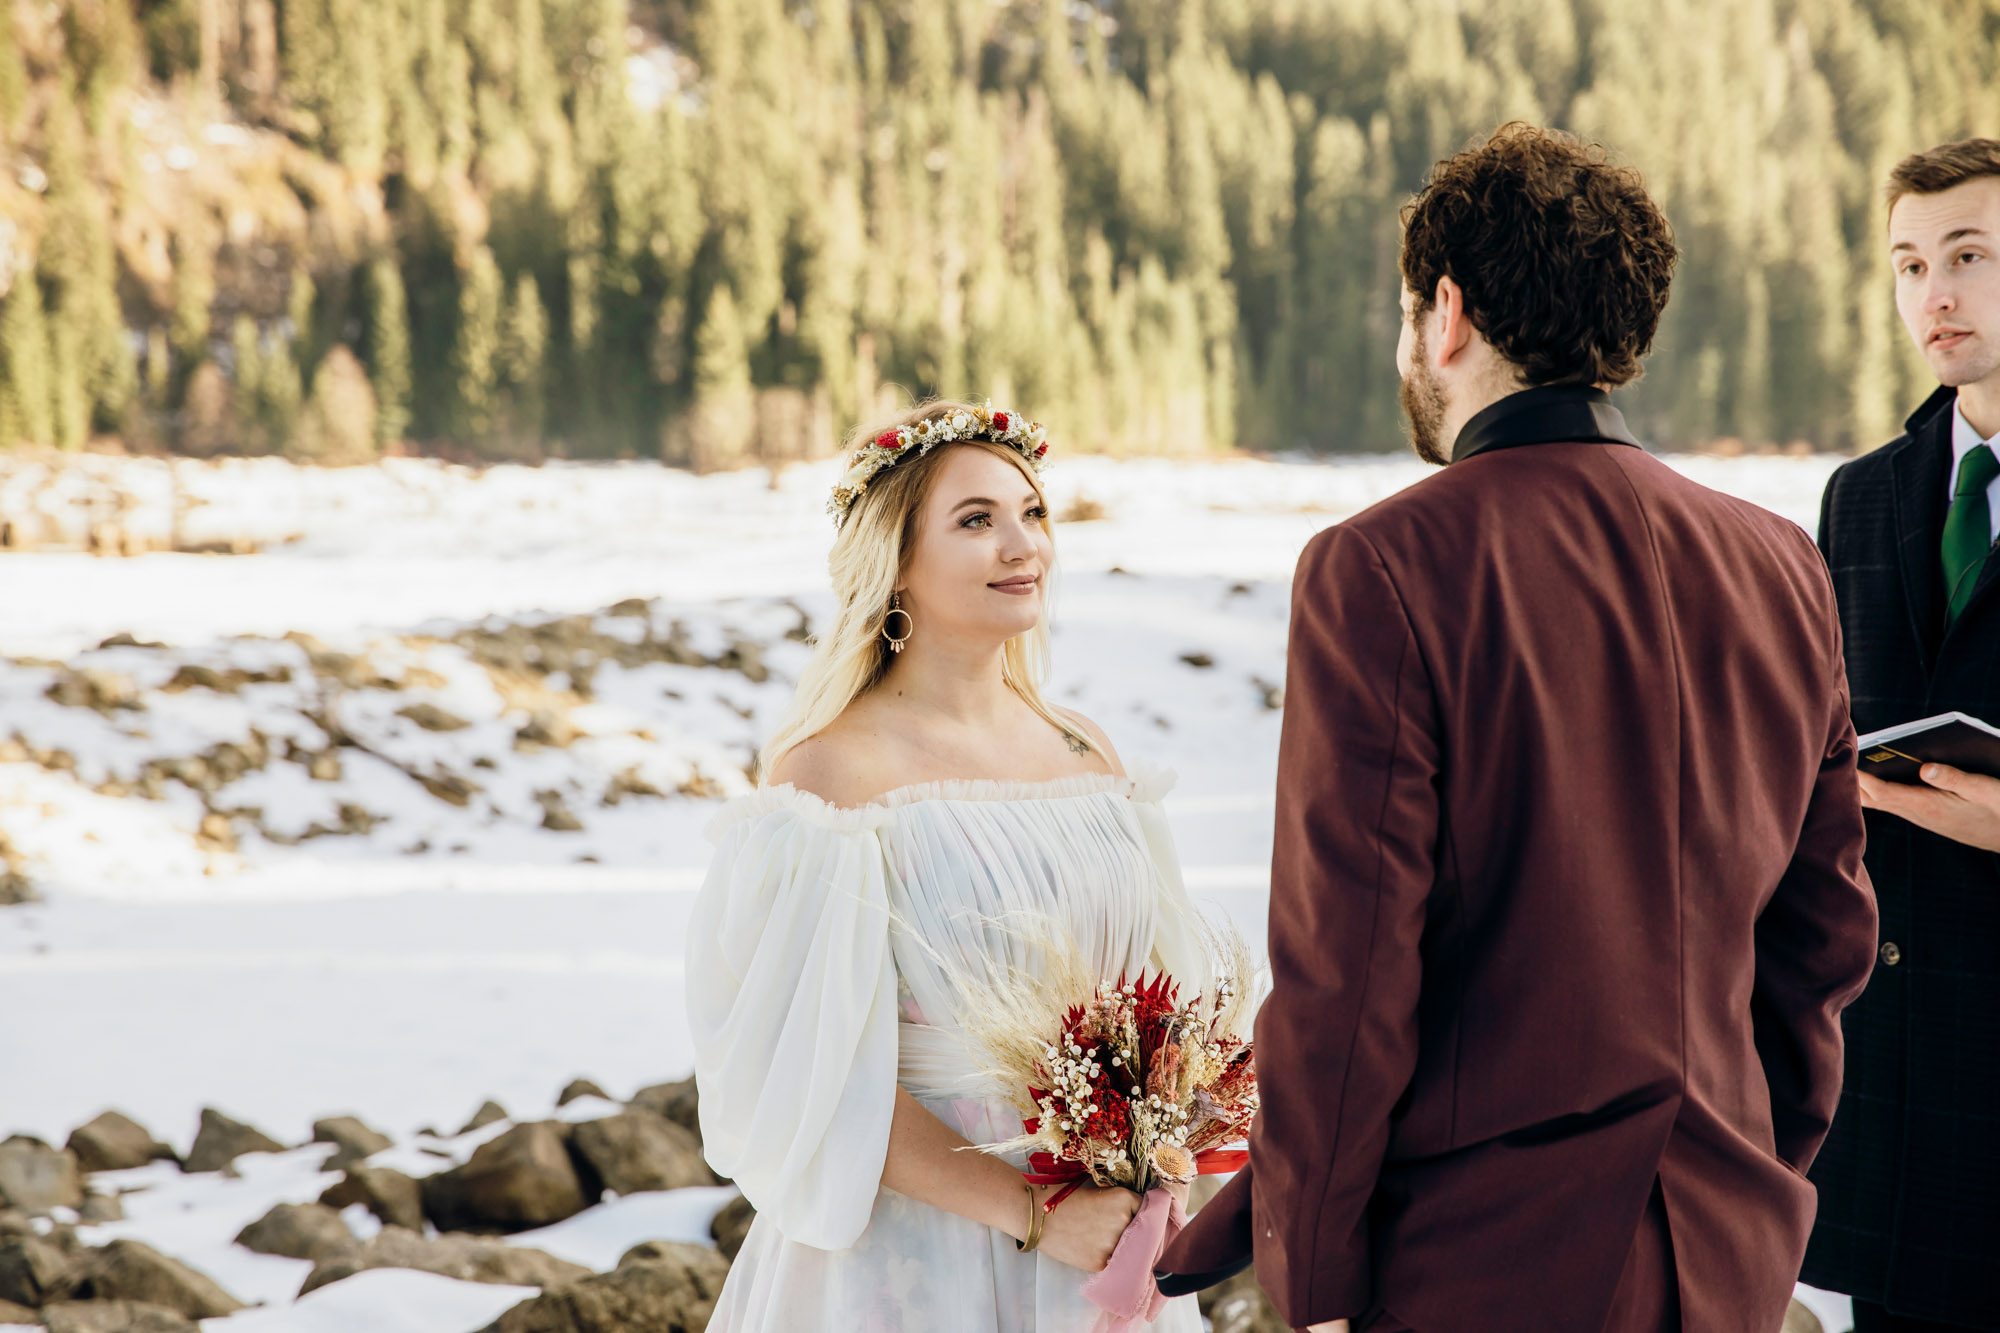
921, 790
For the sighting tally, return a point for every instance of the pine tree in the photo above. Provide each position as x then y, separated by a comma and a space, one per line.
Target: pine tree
388, 348
25, 368
246, 355
476, 349
524, 350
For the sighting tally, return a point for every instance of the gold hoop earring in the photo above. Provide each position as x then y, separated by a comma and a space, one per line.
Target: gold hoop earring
896, 641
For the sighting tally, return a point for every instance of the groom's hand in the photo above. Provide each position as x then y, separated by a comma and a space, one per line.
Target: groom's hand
1964, 807
1337, 1326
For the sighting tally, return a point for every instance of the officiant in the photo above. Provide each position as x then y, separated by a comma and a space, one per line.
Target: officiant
1908, 1179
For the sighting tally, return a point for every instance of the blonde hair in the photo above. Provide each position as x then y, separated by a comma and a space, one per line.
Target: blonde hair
867, 561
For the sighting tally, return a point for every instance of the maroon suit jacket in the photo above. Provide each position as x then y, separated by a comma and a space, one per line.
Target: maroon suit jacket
1566, 897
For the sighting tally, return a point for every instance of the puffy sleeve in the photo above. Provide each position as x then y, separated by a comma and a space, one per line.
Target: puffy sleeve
791, 993
1177, 938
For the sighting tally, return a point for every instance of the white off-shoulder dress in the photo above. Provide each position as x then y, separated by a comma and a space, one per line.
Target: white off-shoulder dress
815, 987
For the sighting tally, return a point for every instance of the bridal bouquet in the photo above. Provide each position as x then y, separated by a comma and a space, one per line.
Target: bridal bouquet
1123, 1082
1139, 1088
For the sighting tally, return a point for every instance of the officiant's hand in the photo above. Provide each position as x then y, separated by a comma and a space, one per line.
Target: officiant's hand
1964, 807
1085, 1228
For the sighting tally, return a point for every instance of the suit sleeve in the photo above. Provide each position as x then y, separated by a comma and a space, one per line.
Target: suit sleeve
1352, 869
1815, 943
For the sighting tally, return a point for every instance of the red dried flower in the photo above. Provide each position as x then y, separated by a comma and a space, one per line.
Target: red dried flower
999, 421
888, 439
1039, 452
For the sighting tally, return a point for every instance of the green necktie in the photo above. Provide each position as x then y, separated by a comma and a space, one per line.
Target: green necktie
1968, 529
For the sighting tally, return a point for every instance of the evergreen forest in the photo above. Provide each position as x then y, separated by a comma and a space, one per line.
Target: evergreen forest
711, 231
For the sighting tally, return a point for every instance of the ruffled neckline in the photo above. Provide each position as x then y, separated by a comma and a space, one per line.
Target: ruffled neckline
1143, 782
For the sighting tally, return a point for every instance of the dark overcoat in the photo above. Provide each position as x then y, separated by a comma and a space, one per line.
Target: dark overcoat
1910, 1179
1566, 900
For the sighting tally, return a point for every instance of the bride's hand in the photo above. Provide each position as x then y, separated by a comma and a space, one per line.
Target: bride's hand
1084, 1229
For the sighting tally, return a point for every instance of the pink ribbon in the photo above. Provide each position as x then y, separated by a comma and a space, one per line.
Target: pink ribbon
1124, 1289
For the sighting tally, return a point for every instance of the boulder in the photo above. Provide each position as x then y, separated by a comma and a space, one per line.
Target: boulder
355, 1141
678, 1102
221, 1141
467, 1258
298, 1231
115, 1142
659, 1287
488, 1112
389, 1194
130, 1270
581, 1087
99, 1208
11, 1313
115, 1317
731, 1225
30, 1268
637, 1150
522, 1179
35, 1177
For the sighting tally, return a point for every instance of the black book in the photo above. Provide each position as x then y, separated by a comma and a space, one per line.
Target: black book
1895, 754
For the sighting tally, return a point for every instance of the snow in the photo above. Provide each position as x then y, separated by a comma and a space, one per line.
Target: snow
383, 1300
231, 947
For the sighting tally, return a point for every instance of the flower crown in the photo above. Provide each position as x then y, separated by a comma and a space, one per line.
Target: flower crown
891, 446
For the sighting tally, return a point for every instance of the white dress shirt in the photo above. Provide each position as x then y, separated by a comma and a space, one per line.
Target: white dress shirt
1963, 440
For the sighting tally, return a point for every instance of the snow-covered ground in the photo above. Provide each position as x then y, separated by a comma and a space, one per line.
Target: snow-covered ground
404, 812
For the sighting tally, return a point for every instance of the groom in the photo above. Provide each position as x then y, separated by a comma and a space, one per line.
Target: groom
1567, 893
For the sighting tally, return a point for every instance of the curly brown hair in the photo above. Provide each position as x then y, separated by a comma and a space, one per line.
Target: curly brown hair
1564, 258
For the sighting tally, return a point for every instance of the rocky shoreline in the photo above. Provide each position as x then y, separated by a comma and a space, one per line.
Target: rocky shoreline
517, 1176
520, 1176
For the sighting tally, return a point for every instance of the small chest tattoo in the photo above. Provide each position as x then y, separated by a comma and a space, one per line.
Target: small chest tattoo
1077, 744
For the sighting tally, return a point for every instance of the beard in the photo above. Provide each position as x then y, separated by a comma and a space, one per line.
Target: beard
1423, 404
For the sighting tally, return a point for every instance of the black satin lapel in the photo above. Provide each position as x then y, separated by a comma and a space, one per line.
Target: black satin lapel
1918, 475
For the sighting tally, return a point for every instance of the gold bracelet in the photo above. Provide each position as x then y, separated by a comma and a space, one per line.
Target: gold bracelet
1034, 1221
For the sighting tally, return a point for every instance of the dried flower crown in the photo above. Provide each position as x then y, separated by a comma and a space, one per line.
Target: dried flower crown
892, 446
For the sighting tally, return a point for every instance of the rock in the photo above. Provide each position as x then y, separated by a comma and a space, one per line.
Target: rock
115, 1317
731, 1225
356, 1141
522, 1179
30, 1268
11, 1313
1799, 1318
95, 689
659, 1287
222, 1140
16, 888
581, 1087
99, 1208
130, 1270
678, 1102
488, 1112
116, 1142
556, 816
432, 718
467, 1258
635, 1151
35, 1177
298, 1231
383, 1191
